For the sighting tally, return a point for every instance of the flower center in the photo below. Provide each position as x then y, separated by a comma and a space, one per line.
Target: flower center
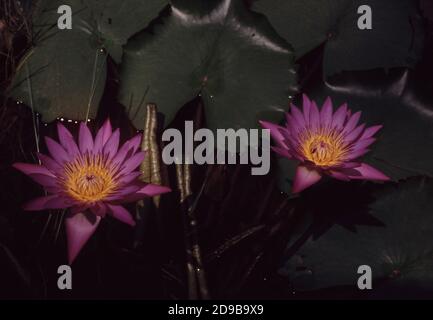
89, 178
324, 149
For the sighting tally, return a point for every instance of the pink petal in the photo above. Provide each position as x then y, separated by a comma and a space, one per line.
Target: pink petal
99, 209
326, 113
85, 139
339, 117
135, 142
47, 202
66, 139
362, 144
339, 175
39, 203
123, 192
353, 121
121, 154
306, 106
112, 145
57, 151
304, 178
350, 165
293, 126
132, 163
102, 136
355, 134
314, 116
152, 190
79, 229
275, 131
49, 163
126, 179
369, 173
297, 115
121, 214
28, 169
78, 208
356, 154
371, 131
44, 180
284, 152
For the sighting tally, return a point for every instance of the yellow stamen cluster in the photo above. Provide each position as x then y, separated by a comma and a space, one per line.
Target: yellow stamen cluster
324, 147
89, 178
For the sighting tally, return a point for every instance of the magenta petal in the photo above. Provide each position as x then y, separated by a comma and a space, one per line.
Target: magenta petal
57, 151
326, 113
128, 178
99, 209
78, 209
59, 203
275, 131
48, 202
293, 126
44, 180
369, 132
363, 144
339, 175
67, 140
121, 214
356, 154
29, 169
352, 122
123, 192
78, 231
112, 145
306, 106
369, 173
121, 154
304, 178
134, 142
314, 116
297, 115
38, 203
355, 134
132, 163
350, 165
339, 117
284, 152
152, 190
49, 163
85, 139
102, 136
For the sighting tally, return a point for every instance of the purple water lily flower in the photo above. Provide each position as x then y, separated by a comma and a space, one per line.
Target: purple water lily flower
90, 179
324, 143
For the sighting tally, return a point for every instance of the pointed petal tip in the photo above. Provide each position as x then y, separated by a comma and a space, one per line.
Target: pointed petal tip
368, 172
304, 178
78, 231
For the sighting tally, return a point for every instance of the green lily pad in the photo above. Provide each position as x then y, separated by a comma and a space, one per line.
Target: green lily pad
65, 71
218, 49
116, 21
394, 40
59, 70
395, 239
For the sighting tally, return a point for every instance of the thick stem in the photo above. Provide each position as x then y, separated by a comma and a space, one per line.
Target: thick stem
197, 284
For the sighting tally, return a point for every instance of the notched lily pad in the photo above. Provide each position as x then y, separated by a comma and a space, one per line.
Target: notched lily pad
395, 38
218, 49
